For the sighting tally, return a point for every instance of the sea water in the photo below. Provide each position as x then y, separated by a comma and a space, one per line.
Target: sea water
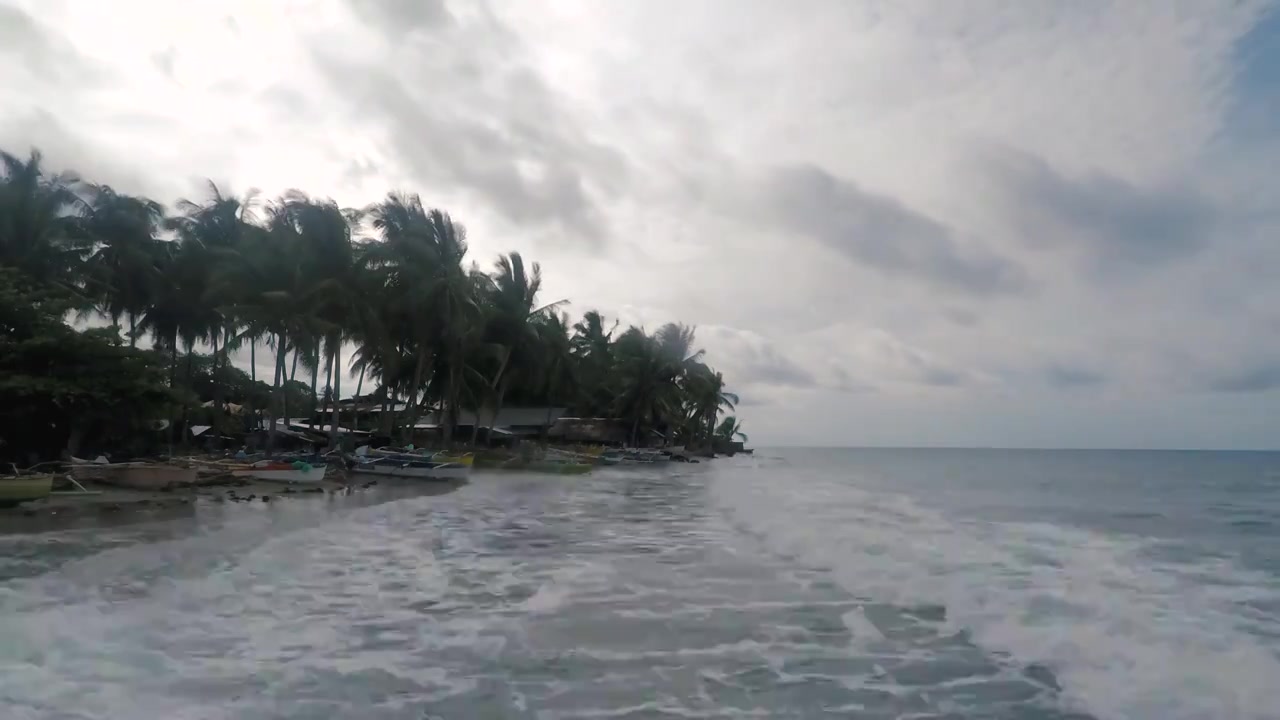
791, 584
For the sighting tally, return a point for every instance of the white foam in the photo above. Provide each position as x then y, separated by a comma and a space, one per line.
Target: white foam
859, 626
1126, 637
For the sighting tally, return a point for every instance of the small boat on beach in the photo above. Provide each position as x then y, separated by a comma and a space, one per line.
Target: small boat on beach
410, 466
134, 475
15, 489
557, 467
543, 465
467, 459
283, 470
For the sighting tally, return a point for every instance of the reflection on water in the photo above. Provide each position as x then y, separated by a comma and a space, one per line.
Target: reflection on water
625, 594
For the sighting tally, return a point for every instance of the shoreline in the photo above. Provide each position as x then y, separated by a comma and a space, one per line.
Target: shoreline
114, 506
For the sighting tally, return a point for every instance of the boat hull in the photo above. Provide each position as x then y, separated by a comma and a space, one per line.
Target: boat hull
137, 476
283, 472
551, 467
25, 488
438, 472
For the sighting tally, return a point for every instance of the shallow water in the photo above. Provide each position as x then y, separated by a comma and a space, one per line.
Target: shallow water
790, 585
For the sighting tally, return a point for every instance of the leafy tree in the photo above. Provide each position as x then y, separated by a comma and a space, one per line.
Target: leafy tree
64, 389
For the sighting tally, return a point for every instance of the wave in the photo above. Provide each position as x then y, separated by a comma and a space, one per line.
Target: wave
1123, 635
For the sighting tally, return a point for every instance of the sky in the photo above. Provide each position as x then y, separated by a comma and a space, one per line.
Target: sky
979, 223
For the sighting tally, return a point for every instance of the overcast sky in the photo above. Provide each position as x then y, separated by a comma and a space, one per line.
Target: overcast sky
893, 223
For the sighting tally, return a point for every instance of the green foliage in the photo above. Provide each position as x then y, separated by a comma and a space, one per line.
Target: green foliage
298, 280
64, 388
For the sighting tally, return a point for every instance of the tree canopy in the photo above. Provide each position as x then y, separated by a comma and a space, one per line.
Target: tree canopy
387, 290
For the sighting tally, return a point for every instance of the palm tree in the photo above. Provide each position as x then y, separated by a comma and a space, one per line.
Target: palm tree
213, 231
555, 359
332, 268
646, 382
593, 352
429, 293
123, 269
513, 324
730, 429
179, 314
40, 232
705, 395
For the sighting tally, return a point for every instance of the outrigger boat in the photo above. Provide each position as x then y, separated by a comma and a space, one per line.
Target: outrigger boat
410, 466
290, 470
15, 489
134, 475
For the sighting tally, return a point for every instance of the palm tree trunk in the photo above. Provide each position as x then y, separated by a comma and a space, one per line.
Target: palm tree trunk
355, 405
412, 401
336, 363
253, 360
284, 401
186, 407
216, 416
449, 405
497, 408
315, 376
173, 383
383, 417
133, 330
281, 349
551, 393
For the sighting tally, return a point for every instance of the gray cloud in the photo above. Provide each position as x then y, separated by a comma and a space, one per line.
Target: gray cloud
962, 317
1259, 377
32, 47
164, 60
1119, 225
1069, 376
941, 377
881, 232
399, 17
66, 150
460, 110
751, 360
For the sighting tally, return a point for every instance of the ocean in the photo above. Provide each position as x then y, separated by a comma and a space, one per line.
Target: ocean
790, 584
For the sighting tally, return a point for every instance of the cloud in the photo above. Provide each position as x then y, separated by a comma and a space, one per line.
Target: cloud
1115, 224
28, 45
748, 359
1257, 378
880, 232
400, 17
1069, 376
459, 107
857, 357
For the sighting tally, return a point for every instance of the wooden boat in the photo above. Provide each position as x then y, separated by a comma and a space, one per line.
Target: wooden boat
467, 459
283, 470
134, 475
570, 456
410, 467
15, 489
553, 467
